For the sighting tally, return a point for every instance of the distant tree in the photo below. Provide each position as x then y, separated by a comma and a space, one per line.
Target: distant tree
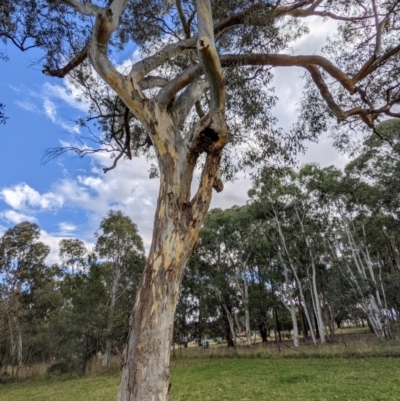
73, 255
78, 328
22, 266
121, 247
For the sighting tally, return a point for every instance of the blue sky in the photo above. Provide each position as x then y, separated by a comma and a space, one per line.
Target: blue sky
67, 197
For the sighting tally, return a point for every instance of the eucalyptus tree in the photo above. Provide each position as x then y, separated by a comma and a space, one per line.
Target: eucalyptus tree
77, 329
121, 247
213, 260
235, 248
276, 199
73, 255
349, 246
22, 258
215, 58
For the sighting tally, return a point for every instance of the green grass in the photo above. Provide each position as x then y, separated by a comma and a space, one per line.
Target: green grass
239, 379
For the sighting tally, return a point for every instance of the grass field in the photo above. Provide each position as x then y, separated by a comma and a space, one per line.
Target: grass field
238, 379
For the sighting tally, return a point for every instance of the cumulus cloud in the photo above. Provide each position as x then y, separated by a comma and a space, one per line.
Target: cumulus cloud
14, 217
126, 188
23, 197
67, 227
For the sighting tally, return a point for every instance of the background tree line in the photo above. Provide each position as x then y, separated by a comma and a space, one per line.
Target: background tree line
311, 248
66, 313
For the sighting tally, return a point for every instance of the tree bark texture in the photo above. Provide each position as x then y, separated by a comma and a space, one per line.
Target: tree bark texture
177, 222
146, 370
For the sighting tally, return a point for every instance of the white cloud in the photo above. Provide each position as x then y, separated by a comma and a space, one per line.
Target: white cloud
67, 227
27, 105
14, 217
67, 93
22, 196
50, 110
126, 188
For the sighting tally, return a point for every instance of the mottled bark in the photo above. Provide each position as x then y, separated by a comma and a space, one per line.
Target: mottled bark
177, 222
146, 370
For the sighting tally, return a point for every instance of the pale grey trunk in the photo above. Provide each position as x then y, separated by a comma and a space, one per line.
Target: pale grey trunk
19, 344
371, 305
317, 305
314, 290
114, 289
305, 308
145, 374
246, 310
12, 343
239, 329
231, 326
295, 326
286, 294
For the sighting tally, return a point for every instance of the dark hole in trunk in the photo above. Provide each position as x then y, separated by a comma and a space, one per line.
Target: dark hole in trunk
210, 134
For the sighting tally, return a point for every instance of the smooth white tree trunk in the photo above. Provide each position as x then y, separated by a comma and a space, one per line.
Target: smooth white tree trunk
116, 279
246, 310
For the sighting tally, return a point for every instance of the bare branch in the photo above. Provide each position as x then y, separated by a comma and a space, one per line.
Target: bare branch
327, 14
112, 167
151, 82
169, 91
117, 7
325, 93
312, 11
187, 100
87, 8
209, 56
186, 26
378, 27
143, 67
127, 88
199, 109
285, 60
374, 63
62, 72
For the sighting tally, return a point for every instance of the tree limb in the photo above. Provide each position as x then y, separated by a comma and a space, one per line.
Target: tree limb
187, 100
185, 25
325, 93
209, 56
151, 82
173, 87
143, 67
127, 88
87, 8
62, 72
285, 60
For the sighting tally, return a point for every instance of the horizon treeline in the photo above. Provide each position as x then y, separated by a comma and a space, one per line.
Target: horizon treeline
312, 248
